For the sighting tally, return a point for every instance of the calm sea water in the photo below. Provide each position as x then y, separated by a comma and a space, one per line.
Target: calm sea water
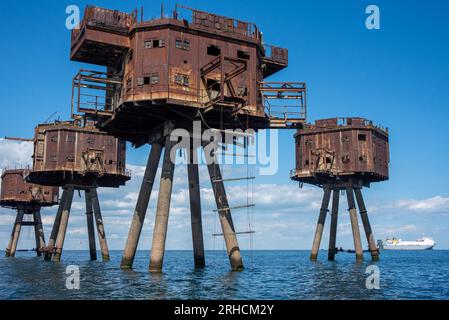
268, 275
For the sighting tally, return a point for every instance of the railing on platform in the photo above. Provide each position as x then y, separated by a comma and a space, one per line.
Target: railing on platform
293, 108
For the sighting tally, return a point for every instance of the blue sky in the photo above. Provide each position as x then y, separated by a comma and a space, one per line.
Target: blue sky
396, 76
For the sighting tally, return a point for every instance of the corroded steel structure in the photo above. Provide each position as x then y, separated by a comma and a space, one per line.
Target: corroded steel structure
342, 154
69, 153
75, 155
193, 65
27, 199
166, 73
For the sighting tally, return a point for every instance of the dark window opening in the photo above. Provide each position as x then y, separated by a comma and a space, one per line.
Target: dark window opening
328, 160
362, 137
307, 162
213, 85
146, 80
156, 43
242, 54
213, 50
185, 61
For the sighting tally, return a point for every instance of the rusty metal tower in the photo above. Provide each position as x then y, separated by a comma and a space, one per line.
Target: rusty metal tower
75, 155
166, 73
27, 199
342, 154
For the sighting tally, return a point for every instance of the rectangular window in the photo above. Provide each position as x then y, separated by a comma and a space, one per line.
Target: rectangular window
242, 55
148, 44
213, 50
182, 44
155, 43
150, 79
154, 78
362, 137
186, 44
182, 80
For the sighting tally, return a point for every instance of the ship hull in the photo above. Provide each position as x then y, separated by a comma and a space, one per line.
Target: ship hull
407, 247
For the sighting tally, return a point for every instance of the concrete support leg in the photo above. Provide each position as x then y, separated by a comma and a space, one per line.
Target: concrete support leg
55, 229
320, 224
163, 209
227, 225
90, 226
195, 210
100, 226
141, 207
366, 225
334, 222
354, 224
15, 234
59, 244
39, 232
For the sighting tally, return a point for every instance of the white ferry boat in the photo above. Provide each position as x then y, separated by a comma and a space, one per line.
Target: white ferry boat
423, 243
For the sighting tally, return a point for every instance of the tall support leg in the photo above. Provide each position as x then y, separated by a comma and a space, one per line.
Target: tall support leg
354, 224
39, 232
100, 226
59, 244
90, 226
320, 224
163, 209
366, 225
333, 228
141, 207
195, 209
55, 229
12, 246
224, 213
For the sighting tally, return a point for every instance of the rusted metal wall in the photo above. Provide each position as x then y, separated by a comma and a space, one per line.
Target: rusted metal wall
161, 59
15, 191
351, 147
67, 149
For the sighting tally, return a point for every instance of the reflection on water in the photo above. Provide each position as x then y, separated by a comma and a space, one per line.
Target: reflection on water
269, 275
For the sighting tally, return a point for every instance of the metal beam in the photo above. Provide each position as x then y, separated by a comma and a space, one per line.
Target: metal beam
227, 225
39, 232
354, 224
15, 234
334, 223
195, 209
163, 209
55, 229
320, 224
141, 207
59, 244
100, 226
90, 226
366, 225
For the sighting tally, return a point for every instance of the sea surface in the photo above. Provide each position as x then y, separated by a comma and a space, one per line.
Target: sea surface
268, 275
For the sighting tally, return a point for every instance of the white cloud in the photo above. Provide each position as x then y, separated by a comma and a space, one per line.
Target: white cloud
434, 204
15, 154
